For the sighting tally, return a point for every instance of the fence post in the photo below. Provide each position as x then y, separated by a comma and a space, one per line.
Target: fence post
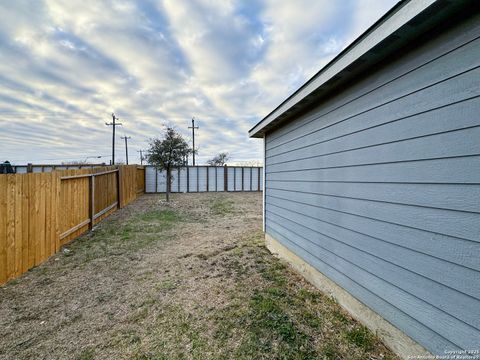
234, 179
178, 175
208, 175
188, 179
92, 200
29, 167
243, 178
251, 171
258, 178
58, 181
198, 173
119, 191
216, 180
225, 178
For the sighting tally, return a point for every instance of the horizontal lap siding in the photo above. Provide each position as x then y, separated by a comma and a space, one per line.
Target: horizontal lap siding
379, 189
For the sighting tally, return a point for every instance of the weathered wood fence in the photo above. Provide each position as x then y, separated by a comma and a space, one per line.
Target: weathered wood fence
40, 212
205, 179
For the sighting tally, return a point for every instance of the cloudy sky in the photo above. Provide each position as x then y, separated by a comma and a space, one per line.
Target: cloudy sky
66, 65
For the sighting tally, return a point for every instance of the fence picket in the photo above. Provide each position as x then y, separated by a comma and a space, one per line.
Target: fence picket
37, 208
31, 216
18, 225
25, 221
10, 226
3, 229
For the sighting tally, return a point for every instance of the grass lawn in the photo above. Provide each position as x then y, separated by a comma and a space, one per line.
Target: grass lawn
186, 280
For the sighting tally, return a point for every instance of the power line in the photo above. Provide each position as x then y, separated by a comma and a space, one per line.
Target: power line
126, 146
141, 156
193, 127
113, 124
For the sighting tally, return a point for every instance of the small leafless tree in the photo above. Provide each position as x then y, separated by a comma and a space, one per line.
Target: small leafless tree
219, 160
249, 163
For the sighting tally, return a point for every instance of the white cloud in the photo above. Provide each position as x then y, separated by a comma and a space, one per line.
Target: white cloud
66, 65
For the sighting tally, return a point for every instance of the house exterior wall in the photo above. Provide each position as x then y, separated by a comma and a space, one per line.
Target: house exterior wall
378, 188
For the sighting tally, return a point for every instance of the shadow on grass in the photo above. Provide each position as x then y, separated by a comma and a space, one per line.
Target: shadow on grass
123, 237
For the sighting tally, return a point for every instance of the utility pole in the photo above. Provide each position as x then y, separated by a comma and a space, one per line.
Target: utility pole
141, 156
126, 146
113, 124
193, 127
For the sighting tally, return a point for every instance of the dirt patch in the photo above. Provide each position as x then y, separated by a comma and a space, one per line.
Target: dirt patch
186, 280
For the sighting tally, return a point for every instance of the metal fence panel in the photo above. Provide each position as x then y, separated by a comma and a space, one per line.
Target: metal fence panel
150, 179
247, 177
193, 184
183, 180
175, 177
161, 182
204, 178
255, 179
212, 179
231, 178
238, 179
220, 178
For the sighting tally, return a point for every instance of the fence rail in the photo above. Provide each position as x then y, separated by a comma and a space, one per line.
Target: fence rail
205, 179
40, 212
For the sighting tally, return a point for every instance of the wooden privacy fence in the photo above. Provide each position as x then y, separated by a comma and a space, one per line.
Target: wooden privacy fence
40, 212
22, 169
205, 179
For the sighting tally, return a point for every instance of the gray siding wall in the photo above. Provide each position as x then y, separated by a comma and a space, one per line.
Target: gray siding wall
379, 189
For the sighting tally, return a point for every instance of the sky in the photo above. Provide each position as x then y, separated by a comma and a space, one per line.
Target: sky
67, 65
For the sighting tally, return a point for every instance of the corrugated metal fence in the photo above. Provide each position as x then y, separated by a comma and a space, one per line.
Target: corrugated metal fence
205, 178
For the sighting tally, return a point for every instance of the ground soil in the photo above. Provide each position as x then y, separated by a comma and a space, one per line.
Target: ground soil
186, 280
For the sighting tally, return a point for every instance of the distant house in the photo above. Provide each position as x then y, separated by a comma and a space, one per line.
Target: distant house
372, 177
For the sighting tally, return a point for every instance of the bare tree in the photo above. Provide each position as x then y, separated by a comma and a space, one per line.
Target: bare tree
219, 160
74, 162
249, 163
168, 152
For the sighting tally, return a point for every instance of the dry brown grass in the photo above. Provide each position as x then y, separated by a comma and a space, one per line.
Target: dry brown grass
187, 280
